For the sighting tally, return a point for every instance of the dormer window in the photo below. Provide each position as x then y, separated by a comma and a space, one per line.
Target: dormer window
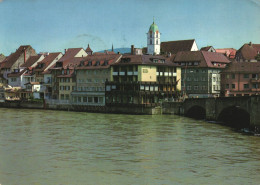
105, 63
89, 63
97, 63
62, 72
68, 71
196, 63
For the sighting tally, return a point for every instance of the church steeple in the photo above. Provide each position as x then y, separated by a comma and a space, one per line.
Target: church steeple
112, 47
153, 40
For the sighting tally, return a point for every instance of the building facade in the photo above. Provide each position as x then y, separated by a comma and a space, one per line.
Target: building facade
142, 80
241, 79
200, 71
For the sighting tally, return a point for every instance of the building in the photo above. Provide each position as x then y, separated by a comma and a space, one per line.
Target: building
64, 69
142, 80
208, 48
200, 72
241, 79
91, 75
13, 62
248, 52
228, 52
174, 47
153, 40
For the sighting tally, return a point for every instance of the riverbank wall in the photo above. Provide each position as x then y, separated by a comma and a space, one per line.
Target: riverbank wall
83, 108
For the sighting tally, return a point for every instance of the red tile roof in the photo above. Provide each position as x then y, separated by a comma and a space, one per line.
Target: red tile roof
111, 59
70, 53
205, 59
30, 61
46, 61
229, 52
176, 46
248, 51
11, 59
128, 59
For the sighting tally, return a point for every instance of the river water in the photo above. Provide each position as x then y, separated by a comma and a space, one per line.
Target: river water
59, 147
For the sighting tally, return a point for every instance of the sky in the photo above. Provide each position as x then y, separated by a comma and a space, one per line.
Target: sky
54, 25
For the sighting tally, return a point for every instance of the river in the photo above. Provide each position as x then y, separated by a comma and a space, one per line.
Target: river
40, 147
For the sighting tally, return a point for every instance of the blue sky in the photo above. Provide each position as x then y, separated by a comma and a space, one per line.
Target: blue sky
53, 25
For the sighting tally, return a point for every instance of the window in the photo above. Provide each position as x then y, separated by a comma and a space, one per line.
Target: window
79, 99
246, 75
188, 87
85, 99
233, 76
100, 99
233, 86
95, 99
90, 99
62, 96
227, 86
156, 41
214, 79
246, 86
196, 79
196, 87
227, 76
255, 76
151, 42
255, 86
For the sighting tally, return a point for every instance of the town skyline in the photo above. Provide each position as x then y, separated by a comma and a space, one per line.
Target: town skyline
51, 26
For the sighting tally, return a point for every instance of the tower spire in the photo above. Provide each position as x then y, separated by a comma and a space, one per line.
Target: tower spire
153, 19
112, 47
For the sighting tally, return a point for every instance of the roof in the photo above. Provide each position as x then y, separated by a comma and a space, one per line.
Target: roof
70, 53
205, 59
249, 51
30, 61
154, 60
176, 46
2, 57
88, 49
98, 61
11, 59
153, 28
243, 67
205, 48
46, 61
16, 74
229, 52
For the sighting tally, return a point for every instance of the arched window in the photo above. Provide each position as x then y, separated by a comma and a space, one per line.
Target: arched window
151, 42
156, 41
151, 35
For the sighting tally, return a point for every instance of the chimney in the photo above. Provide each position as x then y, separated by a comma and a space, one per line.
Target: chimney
65, 51
250, 43
118, 52
169, 54
132, 49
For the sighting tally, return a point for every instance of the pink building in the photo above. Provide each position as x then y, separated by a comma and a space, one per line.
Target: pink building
241, 79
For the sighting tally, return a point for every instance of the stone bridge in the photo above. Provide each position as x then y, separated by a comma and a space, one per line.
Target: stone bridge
238, 112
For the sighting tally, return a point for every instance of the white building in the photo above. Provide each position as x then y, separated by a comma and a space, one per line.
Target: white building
153, 40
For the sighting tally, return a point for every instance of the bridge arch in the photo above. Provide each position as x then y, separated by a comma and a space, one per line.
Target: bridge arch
197, 112
234, 116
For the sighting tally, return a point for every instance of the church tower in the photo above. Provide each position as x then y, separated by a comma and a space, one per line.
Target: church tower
153, 40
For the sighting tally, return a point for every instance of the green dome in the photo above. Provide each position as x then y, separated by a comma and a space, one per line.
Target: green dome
153, 28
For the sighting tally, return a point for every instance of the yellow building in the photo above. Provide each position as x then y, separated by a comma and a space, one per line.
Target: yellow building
143, 79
